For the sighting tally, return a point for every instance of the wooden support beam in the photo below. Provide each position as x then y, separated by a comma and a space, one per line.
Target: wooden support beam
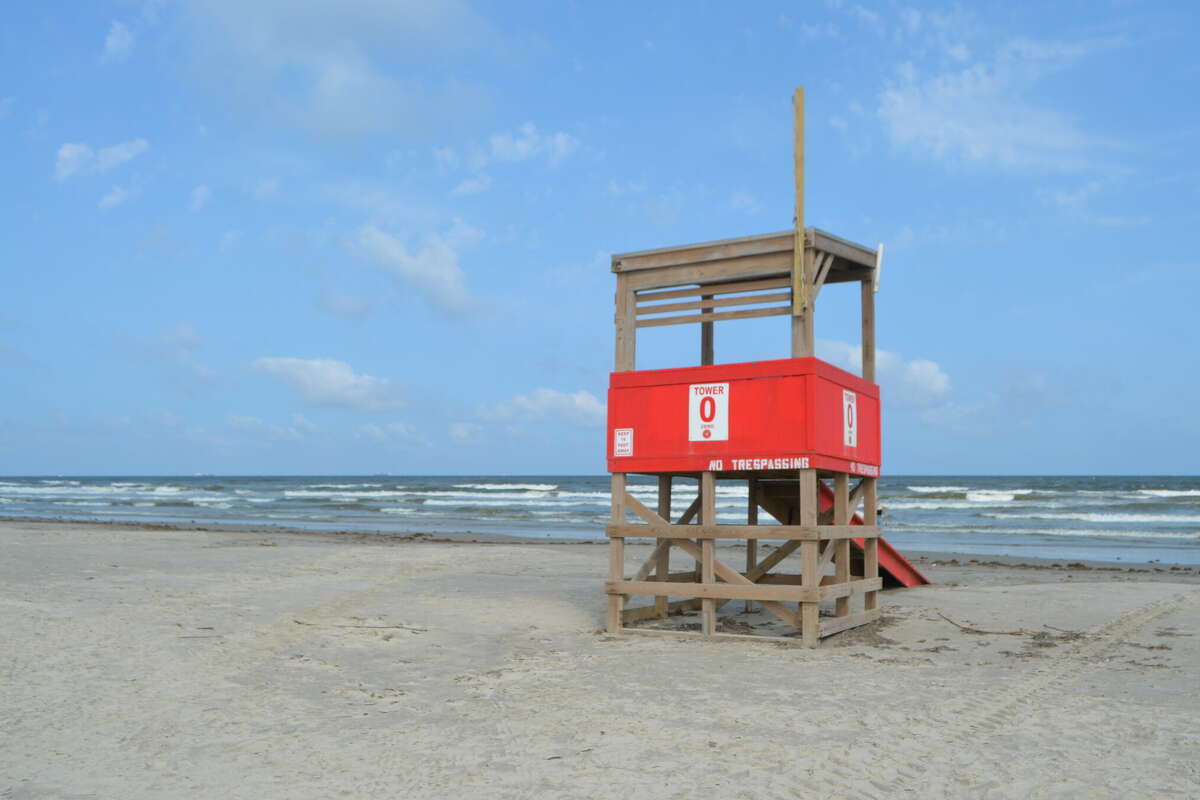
626, 346
868, 331
706, 331
824, 261
662, 560
638, 508
841, 547
709, 318
734, 287
735, 582
810, 611
800, 287
616, 554
870, 546
813, 533
751, 519
707, 302
651, 563
708, 516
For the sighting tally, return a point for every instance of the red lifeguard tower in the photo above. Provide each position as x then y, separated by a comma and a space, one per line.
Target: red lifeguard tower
797, 431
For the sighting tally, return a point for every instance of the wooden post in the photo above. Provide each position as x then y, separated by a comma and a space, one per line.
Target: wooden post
841, 516
810, 613
802, 305
616, 554
626, 323
868, 331
708, 516
706, 335
870, 545
751, 544
662, 566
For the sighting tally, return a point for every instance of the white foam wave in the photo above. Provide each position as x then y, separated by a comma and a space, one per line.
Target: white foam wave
533, 487
996, 495
933, 489
1170, 492
1176, 519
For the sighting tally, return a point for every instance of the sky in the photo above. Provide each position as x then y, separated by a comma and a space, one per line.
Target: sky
298, 237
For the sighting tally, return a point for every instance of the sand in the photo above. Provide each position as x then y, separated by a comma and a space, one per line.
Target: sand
141, 663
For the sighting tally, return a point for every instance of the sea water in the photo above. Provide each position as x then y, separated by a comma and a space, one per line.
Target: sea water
1129, 519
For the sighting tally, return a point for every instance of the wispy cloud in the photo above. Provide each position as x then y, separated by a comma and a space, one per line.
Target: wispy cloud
431, 267
326, 382
75, 158
391, 433
542, 404
119, 42
980, 114
915, 383
115, 197
200, 197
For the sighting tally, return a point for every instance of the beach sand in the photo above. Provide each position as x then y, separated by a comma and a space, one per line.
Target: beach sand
153, 663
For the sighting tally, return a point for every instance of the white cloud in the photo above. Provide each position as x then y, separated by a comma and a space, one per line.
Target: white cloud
182, 336
431, 268
343, 305
115, 197
978, 114
919, 383
526, 143
349, 68
394, 432
118, 43
179, 345
476, 185
303, 423
200, 197
76, 158
465, 432
326, 382
578, 408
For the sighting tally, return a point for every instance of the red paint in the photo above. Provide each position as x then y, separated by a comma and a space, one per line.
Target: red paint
891, 563
790, 408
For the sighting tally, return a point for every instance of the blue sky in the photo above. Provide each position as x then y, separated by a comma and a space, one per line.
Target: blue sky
368, 236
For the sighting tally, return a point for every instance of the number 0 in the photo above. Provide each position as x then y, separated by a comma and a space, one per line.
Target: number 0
708, 409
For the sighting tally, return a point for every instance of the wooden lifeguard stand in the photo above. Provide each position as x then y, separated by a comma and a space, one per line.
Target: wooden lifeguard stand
796, 431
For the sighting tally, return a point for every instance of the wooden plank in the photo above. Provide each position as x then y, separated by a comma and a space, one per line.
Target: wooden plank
858, 254
662, 561
827, 554
651, 612
714, 289
824, 262
715, 317
850, 589
701, 252
878, 267
651, 563
815, 533
616, 554
687, 516
760, 267
839, 624
636, 506
733, 577
725, 591
708, 301
841, 547
734, 637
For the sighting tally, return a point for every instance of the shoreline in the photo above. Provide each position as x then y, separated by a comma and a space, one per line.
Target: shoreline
922, 558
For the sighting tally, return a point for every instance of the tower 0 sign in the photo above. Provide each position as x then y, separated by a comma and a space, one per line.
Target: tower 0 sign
708, 412
849, 418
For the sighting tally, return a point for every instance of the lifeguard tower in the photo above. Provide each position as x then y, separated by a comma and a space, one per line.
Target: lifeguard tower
798, 432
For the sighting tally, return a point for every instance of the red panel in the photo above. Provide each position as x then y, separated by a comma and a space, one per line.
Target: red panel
785, 414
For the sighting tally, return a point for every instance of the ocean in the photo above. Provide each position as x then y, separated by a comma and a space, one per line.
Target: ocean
1129, 519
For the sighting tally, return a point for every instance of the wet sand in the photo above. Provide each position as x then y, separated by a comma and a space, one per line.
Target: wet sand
148, 662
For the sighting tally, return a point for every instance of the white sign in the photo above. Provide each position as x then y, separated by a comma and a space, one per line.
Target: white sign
622, 442
708, 412
849, 418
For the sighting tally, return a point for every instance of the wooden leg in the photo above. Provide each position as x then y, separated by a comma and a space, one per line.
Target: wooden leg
662, 567
751, 544
708, 516
616, 555
841, 516
810, 613
870, 546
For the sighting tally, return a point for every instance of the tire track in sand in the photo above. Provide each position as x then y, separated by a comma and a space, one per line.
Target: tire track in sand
900, 767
